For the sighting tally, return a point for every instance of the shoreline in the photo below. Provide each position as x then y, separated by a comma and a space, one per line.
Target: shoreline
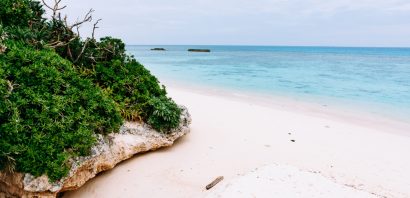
340, 110
231, 136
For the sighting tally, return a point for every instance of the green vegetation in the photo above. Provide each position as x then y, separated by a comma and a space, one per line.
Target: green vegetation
57, 90
48, 111
133, 88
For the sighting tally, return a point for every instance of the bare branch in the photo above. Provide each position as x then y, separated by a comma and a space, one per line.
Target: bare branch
54, 8
49, 7
94, 28
57, 2
93, 59
59, 43
78, 31
82, 51
88, 18
69, 53
73, 31
65, 21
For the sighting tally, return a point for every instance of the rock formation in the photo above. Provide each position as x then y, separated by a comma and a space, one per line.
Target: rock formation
199, 50
133, 138
158, 49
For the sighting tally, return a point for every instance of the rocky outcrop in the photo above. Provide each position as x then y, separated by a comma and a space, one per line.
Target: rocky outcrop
199, 50
158, 49
133, 138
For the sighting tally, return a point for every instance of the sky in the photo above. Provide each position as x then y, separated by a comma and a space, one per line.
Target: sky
379, 23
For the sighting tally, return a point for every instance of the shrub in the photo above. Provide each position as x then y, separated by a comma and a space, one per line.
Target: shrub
57, 91
48, 113
131, 85
164, 114
22, 13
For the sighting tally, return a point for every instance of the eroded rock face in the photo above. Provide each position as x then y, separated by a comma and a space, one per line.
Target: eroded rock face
133, 138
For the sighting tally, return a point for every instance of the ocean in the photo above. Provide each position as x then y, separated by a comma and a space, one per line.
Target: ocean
365, 77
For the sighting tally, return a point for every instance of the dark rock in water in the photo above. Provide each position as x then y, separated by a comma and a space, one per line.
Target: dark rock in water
199, 50
158, 49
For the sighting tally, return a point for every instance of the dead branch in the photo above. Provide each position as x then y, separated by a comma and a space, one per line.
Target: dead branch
87, 18
69, 53
54, 8
82, 51
59, 43
213, 183
94, 28
65, 21
11, 86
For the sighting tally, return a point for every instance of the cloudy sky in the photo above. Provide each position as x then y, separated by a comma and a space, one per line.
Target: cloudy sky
251, 22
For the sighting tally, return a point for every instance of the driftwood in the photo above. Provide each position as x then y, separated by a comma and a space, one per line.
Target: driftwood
216, 181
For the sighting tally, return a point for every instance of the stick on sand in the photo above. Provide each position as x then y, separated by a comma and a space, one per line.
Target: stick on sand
216, 181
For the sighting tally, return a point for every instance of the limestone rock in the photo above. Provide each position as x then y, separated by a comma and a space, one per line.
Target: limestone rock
133, 138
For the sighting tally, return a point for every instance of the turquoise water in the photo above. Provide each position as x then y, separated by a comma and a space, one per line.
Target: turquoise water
379, 76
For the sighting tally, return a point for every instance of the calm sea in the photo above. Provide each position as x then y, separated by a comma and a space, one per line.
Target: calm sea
374, 76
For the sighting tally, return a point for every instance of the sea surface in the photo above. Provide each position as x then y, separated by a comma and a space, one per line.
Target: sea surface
365, 77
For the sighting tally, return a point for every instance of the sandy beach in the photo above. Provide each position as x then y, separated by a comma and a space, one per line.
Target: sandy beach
232, 136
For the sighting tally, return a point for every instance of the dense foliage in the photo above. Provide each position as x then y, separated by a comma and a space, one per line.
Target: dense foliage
20, 13
57, 91
131, 85
48, 111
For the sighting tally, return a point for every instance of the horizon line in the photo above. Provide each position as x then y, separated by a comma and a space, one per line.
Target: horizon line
254, 45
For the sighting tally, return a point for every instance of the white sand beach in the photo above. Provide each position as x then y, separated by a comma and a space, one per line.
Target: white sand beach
233, 136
